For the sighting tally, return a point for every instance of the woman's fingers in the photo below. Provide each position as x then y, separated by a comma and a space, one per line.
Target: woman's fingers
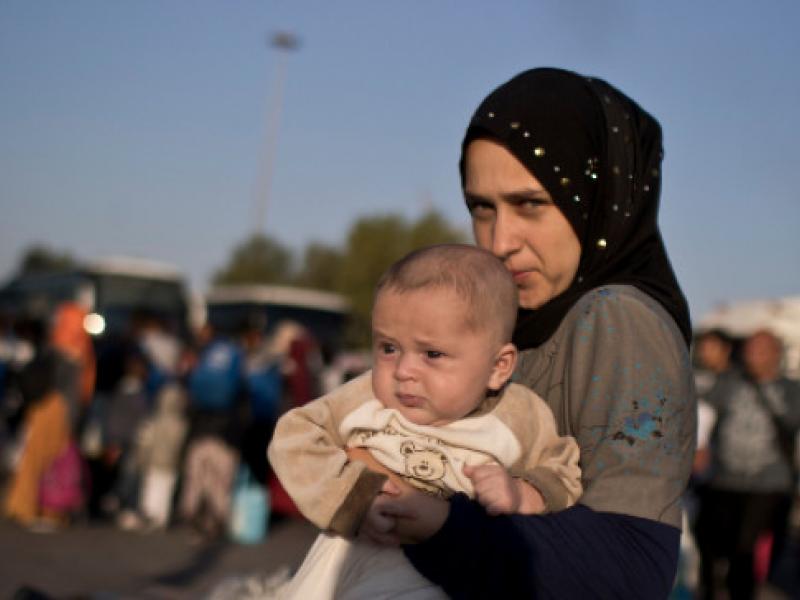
391, 488
395, 505
418, 515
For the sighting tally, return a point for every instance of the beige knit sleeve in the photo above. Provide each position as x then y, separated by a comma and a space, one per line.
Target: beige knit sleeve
549, 462
309, 458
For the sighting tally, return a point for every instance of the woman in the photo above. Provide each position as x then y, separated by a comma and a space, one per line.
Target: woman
76, 371
46, 437
561, 175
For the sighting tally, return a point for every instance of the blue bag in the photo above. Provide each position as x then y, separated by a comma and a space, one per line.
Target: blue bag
249, 509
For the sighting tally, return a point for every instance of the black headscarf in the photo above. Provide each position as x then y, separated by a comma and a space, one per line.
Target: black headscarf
599, 155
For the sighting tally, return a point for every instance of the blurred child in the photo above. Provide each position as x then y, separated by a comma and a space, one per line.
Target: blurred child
128, 407
160, 443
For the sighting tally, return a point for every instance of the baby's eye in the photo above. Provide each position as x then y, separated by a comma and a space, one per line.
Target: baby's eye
387, 348
434, 354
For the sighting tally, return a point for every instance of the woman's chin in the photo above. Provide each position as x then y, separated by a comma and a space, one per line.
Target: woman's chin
531, 299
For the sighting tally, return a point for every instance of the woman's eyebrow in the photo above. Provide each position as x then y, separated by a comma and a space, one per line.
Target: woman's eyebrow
526, 194
520, 194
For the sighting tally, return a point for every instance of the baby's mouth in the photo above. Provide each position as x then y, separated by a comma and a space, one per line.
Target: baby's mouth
409, 400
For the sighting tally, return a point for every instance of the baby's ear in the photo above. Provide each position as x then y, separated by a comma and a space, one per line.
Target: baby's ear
504, 363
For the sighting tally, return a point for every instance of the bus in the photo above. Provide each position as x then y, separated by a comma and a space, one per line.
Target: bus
324, 314
117, 290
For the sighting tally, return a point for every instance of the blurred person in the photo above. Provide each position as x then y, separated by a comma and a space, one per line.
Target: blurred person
752, 473
77, 368
16, 351
46, 431
160, 442
302, 365
713, 357
264, 389
163, 350
127, 408
216, 390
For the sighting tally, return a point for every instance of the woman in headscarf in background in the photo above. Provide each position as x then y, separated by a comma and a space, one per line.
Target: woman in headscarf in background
46, 435
561, 174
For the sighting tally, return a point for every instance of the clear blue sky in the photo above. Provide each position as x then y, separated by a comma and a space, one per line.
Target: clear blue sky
138, 128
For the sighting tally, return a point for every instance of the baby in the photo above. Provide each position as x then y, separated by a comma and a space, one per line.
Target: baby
436, 410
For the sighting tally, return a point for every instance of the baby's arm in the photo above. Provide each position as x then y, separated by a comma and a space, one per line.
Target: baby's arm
502, 494
309, 457
549, 462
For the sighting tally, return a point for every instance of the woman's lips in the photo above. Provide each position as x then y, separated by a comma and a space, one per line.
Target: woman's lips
519, 276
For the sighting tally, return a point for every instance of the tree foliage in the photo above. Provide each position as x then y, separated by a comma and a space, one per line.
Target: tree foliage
320, 267
259, 259
371, 245
43, 259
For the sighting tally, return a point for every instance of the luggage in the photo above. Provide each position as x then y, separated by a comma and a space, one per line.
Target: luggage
249, 509
62, 485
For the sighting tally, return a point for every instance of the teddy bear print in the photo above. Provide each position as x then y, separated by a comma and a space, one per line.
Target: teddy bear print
424, 464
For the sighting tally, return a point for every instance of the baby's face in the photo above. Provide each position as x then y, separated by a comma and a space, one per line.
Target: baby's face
427, 364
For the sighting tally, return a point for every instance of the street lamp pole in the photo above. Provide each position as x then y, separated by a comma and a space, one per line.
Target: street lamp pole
283, 42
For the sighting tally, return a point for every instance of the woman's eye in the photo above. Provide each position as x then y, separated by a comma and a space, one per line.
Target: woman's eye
481, 210
529, 205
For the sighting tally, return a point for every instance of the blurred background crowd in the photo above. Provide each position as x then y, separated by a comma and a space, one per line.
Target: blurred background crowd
127, 401
126, 407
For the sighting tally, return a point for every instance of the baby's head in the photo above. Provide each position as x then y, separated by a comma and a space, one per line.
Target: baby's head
441, 328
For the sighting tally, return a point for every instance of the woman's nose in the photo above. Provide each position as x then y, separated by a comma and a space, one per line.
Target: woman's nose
505, 240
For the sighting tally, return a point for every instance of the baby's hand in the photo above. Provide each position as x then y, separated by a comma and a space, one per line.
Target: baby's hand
502, 494
377, 526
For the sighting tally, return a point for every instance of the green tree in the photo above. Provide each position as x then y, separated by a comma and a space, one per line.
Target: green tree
432, 228
43, 259
320, 268
259, 259
373, 244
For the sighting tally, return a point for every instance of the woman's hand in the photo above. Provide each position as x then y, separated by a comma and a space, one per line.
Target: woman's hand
417, 515
400, 514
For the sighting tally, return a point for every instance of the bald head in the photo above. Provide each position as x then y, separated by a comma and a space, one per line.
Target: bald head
476, 276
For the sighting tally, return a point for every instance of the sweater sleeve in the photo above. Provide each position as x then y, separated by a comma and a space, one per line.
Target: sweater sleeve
309, 458
631, 404
576, 553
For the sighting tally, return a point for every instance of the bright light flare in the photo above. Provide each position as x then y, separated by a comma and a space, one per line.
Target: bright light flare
94, 324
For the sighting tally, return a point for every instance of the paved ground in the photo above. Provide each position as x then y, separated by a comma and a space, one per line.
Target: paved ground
100, 562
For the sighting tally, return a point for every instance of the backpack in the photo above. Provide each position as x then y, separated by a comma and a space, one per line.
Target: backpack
214, 383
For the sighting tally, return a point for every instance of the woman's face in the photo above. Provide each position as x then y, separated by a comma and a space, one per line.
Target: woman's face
514, 217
